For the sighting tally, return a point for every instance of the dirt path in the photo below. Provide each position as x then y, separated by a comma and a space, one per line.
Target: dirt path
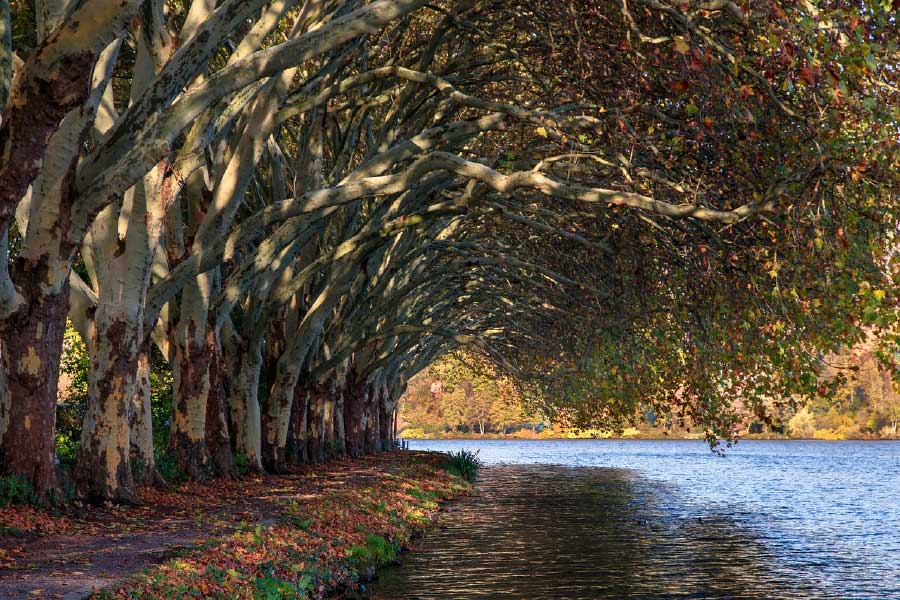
97, 548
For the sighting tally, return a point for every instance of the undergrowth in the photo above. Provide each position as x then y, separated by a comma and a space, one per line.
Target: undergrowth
15, 489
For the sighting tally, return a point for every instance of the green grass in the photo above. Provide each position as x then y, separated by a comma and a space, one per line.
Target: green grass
376, 551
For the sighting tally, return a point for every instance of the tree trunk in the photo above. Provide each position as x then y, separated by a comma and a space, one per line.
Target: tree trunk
340, 436
243, 400
276, 418
355, 398
4, 396
218, 442
143, 461
32, 344
103, 465
295, 449
314, 424
372, 443
386, 409
190, 388
328, 438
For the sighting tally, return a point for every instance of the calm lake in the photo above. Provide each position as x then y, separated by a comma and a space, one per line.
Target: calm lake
664, 519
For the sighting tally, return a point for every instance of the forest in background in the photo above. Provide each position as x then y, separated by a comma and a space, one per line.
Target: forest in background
459, 397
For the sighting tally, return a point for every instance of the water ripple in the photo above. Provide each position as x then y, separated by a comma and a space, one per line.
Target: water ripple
666, 521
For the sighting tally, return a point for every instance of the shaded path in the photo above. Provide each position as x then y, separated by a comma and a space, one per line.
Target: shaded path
98, 548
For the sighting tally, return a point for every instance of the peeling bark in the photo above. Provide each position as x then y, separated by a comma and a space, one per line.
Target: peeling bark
190, 389
315, 424
372, 435
143, 461
218, 441
32, 345
245, 364
328, 422
355, 399
295, 449
385, 422
103, 467
54, 81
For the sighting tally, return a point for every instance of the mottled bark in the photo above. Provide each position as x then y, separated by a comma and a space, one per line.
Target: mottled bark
218, 442
245, 363
295, 449
315, 435
32, 344
190, 389
143, 460
385, 422
6, 54
373, 434
55, 80
355, 399
103, 467
4, 397
328, 422
276, 419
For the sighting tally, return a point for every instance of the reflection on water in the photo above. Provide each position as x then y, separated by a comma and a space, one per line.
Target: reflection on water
632, 531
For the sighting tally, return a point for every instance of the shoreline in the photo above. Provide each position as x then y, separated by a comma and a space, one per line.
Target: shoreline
632, 439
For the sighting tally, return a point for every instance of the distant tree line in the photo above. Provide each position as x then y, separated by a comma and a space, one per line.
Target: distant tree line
452, 397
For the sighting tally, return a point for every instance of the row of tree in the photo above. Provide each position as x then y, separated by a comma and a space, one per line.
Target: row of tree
297, 205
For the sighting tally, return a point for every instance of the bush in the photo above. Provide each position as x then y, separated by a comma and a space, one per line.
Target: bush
463, 463
413, 434
15, 489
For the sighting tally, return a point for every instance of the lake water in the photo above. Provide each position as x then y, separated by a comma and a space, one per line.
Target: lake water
664, 519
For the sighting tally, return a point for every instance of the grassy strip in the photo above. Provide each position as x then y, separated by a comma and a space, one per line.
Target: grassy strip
326, 542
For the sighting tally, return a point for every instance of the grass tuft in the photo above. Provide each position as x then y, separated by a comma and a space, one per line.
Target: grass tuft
463, 463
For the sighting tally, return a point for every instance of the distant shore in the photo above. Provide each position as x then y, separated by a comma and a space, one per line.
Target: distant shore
686, 437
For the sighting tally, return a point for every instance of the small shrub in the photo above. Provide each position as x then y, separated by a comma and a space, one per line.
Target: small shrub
463, 463
241, 464
15, 489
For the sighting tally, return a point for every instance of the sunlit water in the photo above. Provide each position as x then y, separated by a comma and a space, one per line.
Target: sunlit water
664, 519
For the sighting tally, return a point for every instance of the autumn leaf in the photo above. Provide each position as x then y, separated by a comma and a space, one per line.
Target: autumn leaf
681, 86
808, 75
681, 45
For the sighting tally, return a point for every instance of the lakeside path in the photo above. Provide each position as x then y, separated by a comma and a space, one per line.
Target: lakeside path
313, 530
